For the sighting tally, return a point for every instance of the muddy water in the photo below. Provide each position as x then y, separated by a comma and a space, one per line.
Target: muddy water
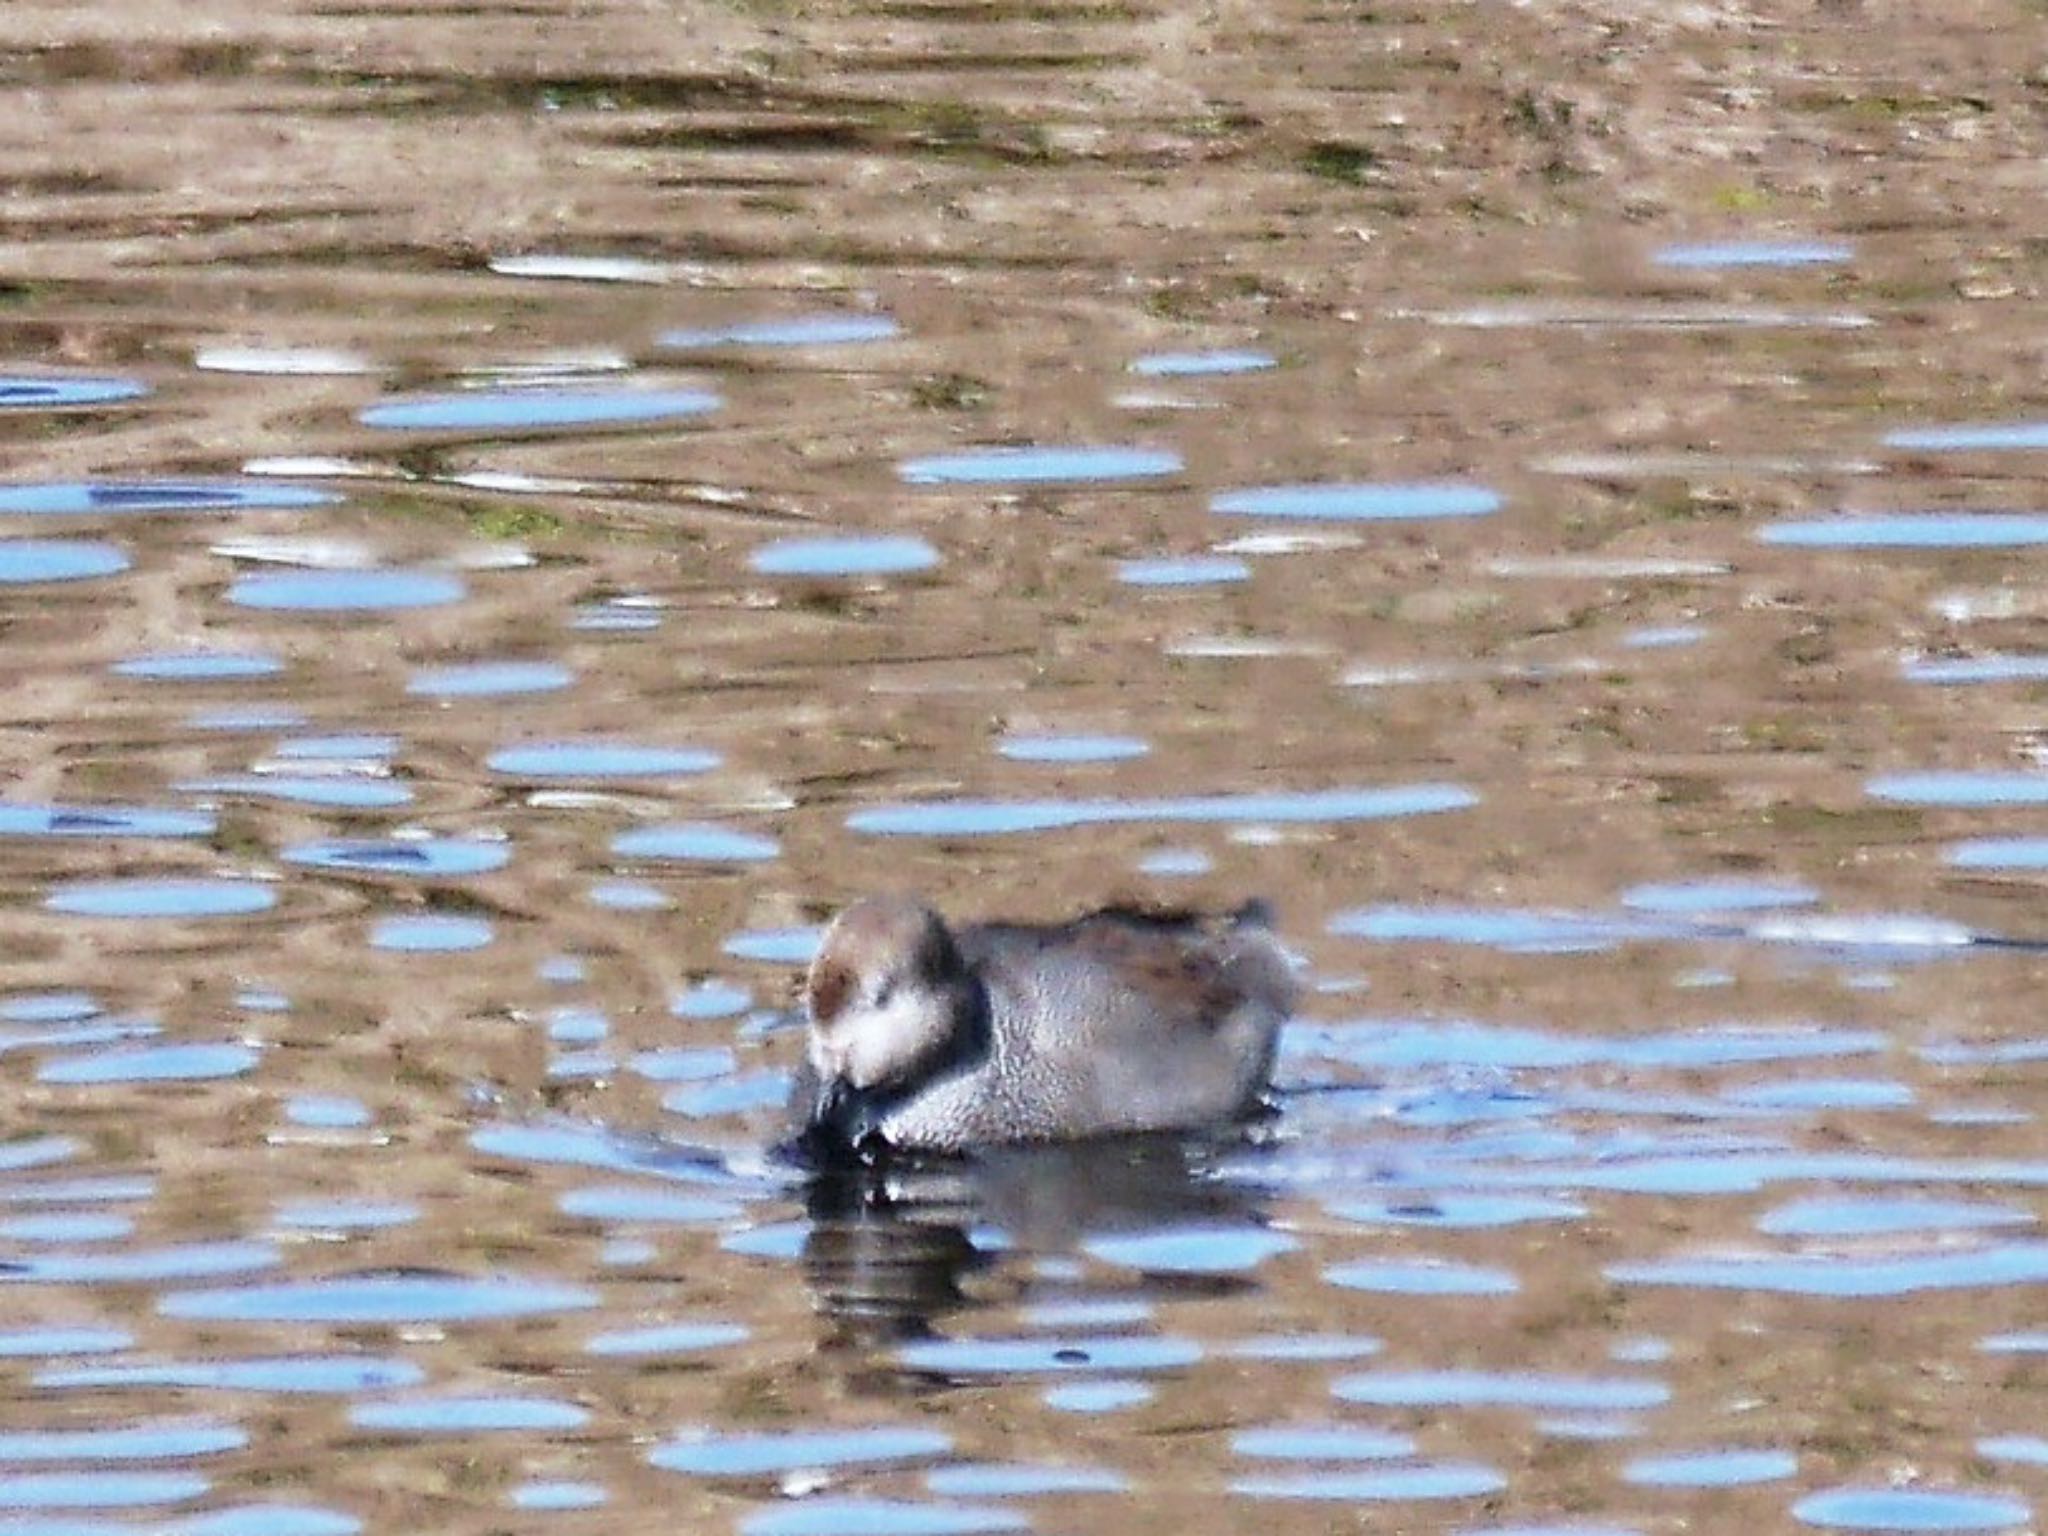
511, 514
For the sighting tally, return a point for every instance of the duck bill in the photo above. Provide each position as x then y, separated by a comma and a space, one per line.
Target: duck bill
846, 1116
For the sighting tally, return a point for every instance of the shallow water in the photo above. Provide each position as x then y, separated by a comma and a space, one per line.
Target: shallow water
510, 515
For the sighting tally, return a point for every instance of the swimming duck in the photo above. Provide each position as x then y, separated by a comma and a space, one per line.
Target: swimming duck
937, 1038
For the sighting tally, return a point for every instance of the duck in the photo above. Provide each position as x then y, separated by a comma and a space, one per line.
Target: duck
924, 1036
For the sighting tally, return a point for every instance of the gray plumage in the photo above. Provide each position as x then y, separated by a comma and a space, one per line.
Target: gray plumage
1120, 1021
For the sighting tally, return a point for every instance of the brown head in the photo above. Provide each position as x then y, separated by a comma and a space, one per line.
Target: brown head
887, 993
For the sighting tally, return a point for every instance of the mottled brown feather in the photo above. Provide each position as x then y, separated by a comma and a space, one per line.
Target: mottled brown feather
831, 988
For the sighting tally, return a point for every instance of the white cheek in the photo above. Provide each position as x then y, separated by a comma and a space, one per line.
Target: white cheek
884, 1043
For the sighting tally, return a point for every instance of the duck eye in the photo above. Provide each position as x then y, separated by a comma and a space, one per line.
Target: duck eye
885, 991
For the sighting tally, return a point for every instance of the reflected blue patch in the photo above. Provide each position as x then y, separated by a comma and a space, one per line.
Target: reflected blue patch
345, 1216
2001, 853
1489, 1389
30, 560
431, 857
600, 760
1195, 571
33, 392
25, 1154
468, 1415
1910, 1509
711, 1000
134, 1442
430, 933
486, 679
778, 946
1008, 1480
732, 1096
1715, 255
1956, 1053
582, 1065
1977, 669
321, 1112
380, 1299
346, 591
101, 821
695, 841
685, 1064
36, 1152
266, 1520
1913, 530
1711, 1469
578, 1026
312, 1374
337, 749
1664, 637
1825, 1093
1849, 1217
878, 1517
989, 818
1971, 438
576, 1146
1048, 1356
1423, 1480
1457, 1211
1097, 1396
1032, 466
180, 1261
1528, 932
668, 1339
103, 498
48, 1007
2029, 1450
805, 331
877, 555
1712, 896
1360, 502
1071, 749
1194, 1250
1173, 863
1961, 789
615, 618
1087, 1313
99, 1490
627, 896
1640, 1351
1517, 932
49, 1343
1422, 1277
198, 666
161, 898
2015, 1344
559, 1496
777, 1240
152, 1064
537, 408
714, 1455
1321, 1442
248, 717
1848, 1274
1308, 1346
1183, 365
628, 1202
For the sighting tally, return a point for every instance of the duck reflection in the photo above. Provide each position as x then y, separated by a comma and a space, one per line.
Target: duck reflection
894, 1241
